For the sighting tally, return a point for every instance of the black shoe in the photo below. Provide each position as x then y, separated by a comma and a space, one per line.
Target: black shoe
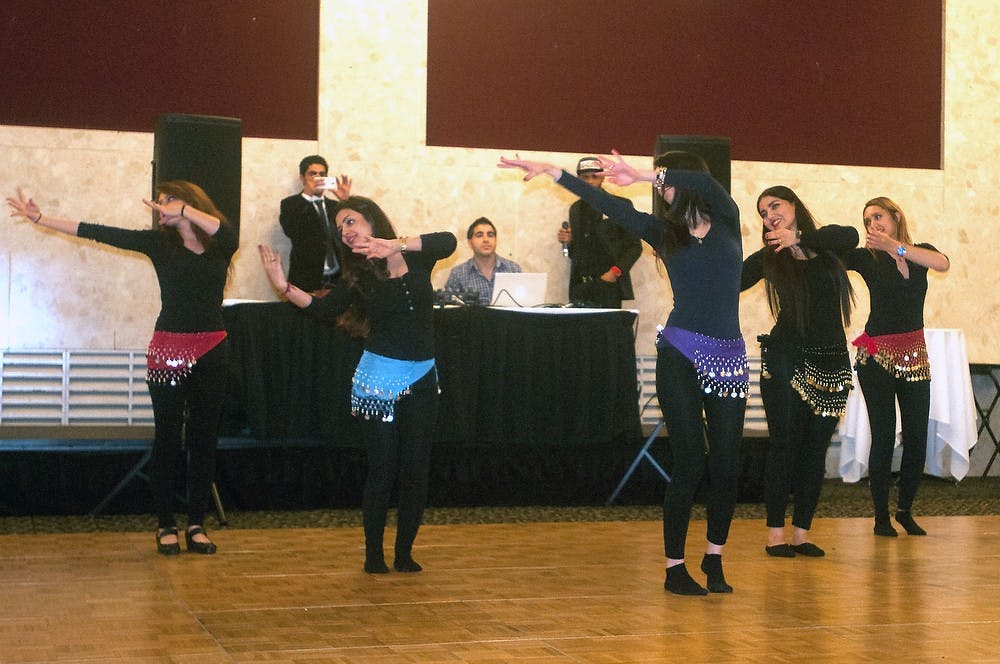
883, 528
679, 582
711, 565
905, 519
406, 564
809, 549
780, 551
167, 549
207, 548
376, 566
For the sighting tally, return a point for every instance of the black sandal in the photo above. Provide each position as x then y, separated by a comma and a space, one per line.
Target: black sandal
207, 548
167, 549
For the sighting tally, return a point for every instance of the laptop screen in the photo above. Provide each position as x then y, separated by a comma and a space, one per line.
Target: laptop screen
519, 289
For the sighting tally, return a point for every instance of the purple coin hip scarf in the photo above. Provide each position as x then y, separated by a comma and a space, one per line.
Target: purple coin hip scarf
721, 364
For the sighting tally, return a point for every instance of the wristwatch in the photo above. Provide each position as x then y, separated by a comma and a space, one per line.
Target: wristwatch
900, 251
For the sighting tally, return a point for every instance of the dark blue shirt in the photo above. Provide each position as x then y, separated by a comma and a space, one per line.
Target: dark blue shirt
705, 275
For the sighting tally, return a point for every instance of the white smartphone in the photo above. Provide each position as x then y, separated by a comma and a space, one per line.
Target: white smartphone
326, 183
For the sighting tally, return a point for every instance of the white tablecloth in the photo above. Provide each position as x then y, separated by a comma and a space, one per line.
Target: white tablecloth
951, 430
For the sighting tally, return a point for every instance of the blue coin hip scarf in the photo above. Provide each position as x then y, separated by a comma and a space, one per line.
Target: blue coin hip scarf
721, 364
379, 382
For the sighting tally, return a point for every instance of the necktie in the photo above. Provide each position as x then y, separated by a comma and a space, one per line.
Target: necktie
332, 264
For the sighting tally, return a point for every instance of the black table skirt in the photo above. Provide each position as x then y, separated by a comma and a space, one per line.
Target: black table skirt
289, 376
536, 408
506, 377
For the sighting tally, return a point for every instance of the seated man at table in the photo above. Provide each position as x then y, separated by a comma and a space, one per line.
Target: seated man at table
475, 276
307, 220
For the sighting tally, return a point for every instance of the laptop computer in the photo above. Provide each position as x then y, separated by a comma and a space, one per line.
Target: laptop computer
519, 289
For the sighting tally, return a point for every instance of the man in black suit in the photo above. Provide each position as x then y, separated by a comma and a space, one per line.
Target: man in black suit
601, 252
307, 220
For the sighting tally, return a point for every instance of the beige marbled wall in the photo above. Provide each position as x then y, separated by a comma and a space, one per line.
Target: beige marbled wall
59, 293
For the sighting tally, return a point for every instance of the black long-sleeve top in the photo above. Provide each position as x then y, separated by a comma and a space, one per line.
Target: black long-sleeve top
823, 321
191, 284
400, 309
897, 303
704, 276
596, 244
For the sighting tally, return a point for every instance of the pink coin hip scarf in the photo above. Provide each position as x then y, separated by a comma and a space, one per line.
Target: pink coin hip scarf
903, 355
171, 356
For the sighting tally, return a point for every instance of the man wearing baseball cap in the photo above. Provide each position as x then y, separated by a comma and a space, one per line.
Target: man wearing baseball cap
601, 253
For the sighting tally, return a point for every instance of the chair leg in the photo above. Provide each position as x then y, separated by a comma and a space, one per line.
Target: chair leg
643, 454
135, 471
985, 413
218, 506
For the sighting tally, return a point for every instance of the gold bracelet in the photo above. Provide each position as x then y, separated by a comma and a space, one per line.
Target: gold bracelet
402, 244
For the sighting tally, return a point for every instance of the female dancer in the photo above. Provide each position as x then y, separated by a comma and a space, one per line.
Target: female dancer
701, 364
385, 295
190, 251
892, 359
806, 370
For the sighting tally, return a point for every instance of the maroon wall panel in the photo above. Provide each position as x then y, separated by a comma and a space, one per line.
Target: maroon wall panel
119, 64
803, 81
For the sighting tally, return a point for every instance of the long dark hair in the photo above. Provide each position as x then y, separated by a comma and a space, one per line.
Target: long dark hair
688, 204
361, 273
781, 269
196, 197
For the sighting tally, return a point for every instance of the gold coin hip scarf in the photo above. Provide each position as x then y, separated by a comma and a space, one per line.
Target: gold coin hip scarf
822, 377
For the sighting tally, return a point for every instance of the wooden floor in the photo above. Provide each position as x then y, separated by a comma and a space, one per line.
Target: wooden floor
561, 592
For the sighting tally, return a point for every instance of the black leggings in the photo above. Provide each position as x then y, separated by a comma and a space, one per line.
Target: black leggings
400, 450
797, 443
200, 396
682, 401
881, 390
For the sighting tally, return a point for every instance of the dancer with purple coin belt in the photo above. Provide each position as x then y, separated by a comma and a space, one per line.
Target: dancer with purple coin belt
701, 366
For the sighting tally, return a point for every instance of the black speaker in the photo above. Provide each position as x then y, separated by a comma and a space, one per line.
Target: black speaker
205, 150
713, 149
